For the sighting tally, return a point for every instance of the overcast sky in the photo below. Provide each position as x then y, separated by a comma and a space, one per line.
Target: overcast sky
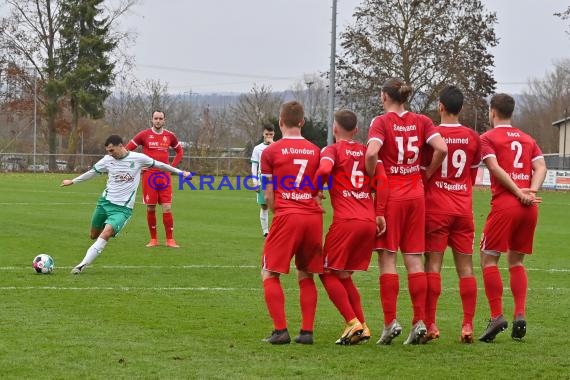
228, 45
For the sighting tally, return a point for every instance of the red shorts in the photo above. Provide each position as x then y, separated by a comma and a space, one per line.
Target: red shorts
405, 227
510, 229
299, 235
349, 245
456, 231
156, 188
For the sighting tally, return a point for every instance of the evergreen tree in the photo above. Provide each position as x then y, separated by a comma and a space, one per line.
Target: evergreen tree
86, 68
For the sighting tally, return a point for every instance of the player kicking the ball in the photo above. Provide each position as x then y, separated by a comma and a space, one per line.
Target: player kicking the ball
115, 205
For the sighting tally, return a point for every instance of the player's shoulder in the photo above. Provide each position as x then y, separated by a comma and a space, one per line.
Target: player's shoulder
168, 132
523, 134
136, 156
421, 117
378, 120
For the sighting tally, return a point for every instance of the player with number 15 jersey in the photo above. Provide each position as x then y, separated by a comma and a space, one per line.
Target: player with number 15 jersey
402, 137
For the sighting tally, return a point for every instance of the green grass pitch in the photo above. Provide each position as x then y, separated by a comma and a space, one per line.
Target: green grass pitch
198, 312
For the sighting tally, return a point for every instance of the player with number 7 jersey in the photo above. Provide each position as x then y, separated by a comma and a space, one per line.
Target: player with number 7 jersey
288, 167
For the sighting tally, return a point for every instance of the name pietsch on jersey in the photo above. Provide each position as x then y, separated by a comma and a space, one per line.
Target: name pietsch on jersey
356, 181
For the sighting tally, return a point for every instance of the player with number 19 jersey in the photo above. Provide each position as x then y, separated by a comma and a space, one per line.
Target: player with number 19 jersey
449, 189
449, 205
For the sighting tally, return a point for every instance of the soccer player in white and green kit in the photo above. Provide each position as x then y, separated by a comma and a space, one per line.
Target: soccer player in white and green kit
115, 205
268, 133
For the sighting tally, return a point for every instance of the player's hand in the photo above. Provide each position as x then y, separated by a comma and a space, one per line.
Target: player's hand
529, 196
66, 182
380, 225
319, 200
187, 174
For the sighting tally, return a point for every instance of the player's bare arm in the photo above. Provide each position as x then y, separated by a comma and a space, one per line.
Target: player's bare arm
439, 153
371, 157
83, 177
504, 179
539, 174
269, 196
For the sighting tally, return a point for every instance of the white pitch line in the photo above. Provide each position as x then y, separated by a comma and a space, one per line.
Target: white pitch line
45, 203
208, 266
198, 289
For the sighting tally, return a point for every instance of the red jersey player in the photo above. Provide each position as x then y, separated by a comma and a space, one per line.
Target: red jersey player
156, 186
449, 212
396, 138
517, 170
288, 167
350, 239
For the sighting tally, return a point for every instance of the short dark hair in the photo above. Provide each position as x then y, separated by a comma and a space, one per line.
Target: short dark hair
346, 119
113, 140
157, 110
452, 99
397, 90
503, 104
268, 127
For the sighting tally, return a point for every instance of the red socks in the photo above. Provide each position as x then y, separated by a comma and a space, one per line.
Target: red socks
432, 296
389, 288
468, 293
151, 221
493, 289
338, 295
275, 301
308, 300
168, 222
354, 298
519, 283
417, 286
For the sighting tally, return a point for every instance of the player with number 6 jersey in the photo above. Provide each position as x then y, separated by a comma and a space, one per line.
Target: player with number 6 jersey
449, 212
397, 138
350, 239
517, 170
288, 167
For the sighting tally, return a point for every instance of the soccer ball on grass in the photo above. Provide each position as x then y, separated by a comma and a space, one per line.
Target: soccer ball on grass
43, 263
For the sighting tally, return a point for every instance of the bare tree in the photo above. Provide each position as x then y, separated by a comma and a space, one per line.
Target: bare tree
29, 36
312, 92
254, 109
564, 15
545, 101
427, 43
